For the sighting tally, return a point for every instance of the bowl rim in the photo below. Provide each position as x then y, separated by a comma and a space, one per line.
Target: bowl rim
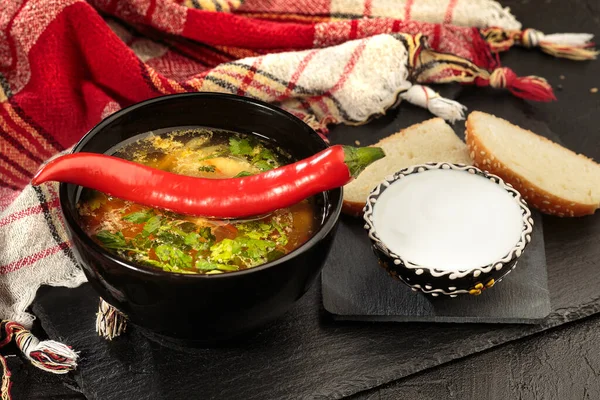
69, 210
514, 253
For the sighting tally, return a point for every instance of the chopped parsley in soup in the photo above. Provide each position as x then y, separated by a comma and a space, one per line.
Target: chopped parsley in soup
194, 245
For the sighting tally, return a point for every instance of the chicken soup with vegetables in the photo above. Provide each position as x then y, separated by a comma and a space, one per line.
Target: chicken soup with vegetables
195, 245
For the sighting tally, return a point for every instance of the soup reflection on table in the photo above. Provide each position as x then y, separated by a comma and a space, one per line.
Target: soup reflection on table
188, 244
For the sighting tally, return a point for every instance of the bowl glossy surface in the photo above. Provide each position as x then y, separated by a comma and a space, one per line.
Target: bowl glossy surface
434, 281
203, 308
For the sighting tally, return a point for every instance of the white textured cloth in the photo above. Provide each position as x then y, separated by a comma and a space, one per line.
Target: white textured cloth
34, 250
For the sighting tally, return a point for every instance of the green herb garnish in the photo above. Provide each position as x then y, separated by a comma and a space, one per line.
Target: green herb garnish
95, 204
207, 168
169, 237
263, 165
259, 156
141, 242
243, 173
251, 251
152, 225
256, 249
204, 265
255, 229
225, 250
113, 241
240, 147
173, 256
265, 160
199, 241
192, 239
265, 154
206, 233
282, 239
139, 216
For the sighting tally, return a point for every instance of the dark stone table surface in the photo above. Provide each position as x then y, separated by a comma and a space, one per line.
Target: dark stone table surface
559, 363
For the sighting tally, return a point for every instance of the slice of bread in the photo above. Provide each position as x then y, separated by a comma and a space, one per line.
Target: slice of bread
429, 141
550, 177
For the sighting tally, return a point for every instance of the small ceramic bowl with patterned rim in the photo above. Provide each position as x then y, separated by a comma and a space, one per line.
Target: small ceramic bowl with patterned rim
452, 233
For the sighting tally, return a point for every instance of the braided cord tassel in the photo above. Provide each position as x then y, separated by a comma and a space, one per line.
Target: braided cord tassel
429, 66
574, 46
439, 106
6, 383
110, 322
48, 355
528, 87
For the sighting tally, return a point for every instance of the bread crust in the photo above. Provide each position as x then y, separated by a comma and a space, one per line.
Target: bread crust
352, 208
546, 202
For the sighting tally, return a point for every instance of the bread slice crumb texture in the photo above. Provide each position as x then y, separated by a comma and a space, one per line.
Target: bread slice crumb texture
429, 141
554, 179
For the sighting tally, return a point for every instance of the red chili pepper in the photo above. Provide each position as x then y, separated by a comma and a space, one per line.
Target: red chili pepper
221, 198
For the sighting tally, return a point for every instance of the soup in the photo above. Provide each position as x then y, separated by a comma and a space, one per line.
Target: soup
189, 244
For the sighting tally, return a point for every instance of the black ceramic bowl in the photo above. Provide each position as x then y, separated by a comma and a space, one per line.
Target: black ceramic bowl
203, 308
433, 281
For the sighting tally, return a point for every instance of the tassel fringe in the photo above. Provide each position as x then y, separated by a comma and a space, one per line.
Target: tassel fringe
434, 67
52, 356
47, 355
439, 106
110, 322
6, 382
574, 46
529, 87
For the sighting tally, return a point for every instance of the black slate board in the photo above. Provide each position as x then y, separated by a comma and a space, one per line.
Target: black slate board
356, 288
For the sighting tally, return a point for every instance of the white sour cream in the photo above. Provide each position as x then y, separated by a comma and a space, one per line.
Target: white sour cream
447, 219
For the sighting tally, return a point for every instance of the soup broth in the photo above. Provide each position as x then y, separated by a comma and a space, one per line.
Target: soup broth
189, 244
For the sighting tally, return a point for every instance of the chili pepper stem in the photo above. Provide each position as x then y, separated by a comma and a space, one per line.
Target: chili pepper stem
359, 158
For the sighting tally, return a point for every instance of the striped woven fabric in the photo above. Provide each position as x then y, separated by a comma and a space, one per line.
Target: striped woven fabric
472, 13
67, 64
60, 57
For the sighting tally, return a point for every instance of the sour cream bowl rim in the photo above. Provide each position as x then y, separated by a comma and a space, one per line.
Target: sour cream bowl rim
445, 281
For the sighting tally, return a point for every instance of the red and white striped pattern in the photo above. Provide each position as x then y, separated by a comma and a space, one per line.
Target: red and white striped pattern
34, 251
476, 13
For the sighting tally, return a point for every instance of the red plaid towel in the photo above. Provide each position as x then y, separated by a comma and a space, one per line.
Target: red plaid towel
66, 64
472, 13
